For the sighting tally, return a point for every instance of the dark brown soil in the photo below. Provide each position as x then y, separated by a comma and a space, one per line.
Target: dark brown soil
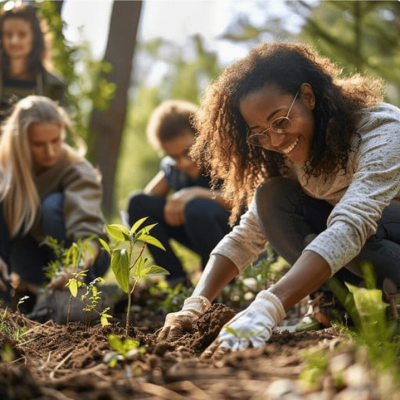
66, 362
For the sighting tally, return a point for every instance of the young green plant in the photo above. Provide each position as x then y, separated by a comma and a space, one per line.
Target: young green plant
72, 259
129, 266
124, 350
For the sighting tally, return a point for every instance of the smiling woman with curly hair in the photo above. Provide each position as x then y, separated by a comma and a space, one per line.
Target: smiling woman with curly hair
222, 142
316, 157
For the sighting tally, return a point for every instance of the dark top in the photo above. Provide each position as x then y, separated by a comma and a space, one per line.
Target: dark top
13, 90
178, 179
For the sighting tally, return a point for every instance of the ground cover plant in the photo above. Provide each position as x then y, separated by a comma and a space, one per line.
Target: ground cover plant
73, 361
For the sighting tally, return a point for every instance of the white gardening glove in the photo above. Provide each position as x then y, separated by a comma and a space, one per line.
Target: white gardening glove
252, 327
178, 322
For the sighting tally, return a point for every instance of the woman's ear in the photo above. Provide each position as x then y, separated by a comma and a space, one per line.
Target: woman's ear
307, 95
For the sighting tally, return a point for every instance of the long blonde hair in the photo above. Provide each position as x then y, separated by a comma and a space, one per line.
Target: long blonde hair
17, 188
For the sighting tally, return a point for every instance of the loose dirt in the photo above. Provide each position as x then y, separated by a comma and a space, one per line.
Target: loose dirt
67, 362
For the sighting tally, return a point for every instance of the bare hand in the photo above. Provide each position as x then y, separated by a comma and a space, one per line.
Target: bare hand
174, 210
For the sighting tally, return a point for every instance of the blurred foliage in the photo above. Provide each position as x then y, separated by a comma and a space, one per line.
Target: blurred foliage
361, 36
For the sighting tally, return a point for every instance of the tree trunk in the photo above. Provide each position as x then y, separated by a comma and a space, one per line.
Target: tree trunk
59, 5
107, 127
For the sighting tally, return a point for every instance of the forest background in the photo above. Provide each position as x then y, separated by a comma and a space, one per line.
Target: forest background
111, 99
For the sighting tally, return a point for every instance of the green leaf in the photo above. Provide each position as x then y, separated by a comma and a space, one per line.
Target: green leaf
155, 270
118, 232
73, 287
232, 331
116, 343
105, 245
120, 268
104, 319
151, 240
137, 224
130, 344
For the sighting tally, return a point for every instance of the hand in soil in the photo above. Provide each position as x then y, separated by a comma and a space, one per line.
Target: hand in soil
177, 323
250, 328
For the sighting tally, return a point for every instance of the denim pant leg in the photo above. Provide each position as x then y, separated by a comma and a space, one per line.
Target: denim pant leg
5, 245
142, 205
287, 216
206, 223
29, 259
383, 248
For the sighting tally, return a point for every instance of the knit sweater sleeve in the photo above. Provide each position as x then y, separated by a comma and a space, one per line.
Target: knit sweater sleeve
82, 201
376, 181
244, 243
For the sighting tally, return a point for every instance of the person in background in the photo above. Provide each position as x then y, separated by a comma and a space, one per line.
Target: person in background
317, 155
179, 198
24, 59
47, 188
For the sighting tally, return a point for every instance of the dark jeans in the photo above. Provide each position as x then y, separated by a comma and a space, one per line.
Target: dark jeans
288, 216
206, 223
23, 254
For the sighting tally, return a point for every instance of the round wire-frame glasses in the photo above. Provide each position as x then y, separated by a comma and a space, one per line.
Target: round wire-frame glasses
279, 125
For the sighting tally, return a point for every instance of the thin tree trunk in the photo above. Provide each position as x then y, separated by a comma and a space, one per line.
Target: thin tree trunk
59, 5
106, 127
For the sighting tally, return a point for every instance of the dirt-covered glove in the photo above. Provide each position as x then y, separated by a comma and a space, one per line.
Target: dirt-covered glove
178, 322
250, 328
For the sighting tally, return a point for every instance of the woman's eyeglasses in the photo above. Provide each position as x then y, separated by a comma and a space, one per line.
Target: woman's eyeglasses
278, 125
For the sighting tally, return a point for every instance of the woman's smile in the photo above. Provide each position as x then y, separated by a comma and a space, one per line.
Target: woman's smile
267, 109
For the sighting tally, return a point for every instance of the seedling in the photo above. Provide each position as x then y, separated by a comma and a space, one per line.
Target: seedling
72, 259
21, 301
124, 351
15, 332
129, 266
167, 298
240, 333
91, 297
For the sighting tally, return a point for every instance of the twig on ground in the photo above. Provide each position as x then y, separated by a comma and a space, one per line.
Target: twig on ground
51, 375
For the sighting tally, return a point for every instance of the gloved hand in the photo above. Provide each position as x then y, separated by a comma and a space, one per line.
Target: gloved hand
178, 322
252, 327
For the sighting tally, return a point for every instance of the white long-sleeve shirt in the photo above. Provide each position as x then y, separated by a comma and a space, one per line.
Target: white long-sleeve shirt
372, 180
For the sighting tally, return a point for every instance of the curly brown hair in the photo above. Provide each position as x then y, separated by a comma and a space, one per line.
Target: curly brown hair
221, 147
171, 119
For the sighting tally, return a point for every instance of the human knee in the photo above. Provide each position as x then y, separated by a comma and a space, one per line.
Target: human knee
137, 201
273, 194
199, 211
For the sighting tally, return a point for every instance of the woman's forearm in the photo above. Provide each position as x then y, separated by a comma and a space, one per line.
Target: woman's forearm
219, 271
307, 274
